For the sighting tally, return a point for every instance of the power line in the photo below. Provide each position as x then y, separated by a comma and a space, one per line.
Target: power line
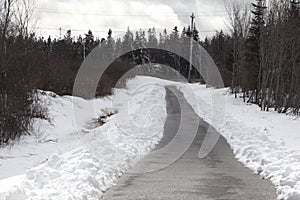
80, 30
74, 30
71, 10
78, 12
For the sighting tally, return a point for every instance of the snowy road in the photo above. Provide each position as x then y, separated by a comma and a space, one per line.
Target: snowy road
218, 176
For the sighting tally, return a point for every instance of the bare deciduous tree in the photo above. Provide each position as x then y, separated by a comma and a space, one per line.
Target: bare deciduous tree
23, 16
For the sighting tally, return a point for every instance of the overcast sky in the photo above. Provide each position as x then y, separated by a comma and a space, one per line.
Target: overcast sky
100, 15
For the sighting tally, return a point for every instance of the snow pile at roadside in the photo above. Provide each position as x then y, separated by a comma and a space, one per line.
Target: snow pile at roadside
105, 151
57, 136
266, 142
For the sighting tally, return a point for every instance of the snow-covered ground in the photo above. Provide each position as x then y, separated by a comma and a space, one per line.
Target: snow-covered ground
76, 158
57, 136
266, 142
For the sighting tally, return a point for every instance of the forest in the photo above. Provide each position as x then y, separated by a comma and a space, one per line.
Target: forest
258, 58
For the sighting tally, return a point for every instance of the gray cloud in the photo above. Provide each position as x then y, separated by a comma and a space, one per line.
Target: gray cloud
82, 15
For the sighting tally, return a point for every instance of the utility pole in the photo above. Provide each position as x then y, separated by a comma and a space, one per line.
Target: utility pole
233, 80
233, 83
60, 33
191, 47
83, 43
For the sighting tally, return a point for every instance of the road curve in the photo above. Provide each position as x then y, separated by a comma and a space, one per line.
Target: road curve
218, 176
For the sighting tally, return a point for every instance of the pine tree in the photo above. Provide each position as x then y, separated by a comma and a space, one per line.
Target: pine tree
127, 43
109, 46
89, 41
68, 37
253, 48
196, 34
118, 47
175, 45
141, 55
163, 39
152, 40
140, 40
174, 40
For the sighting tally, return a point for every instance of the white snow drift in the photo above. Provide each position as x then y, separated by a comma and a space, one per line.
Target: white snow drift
101, 155
266, 142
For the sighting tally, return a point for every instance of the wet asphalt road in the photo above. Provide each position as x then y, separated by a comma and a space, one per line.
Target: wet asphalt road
218, 176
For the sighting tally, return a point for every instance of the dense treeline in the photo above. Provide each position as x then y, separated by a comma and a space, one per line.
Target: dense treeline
262, 53
220, 48
259, 58
17, 72
272, 59
279, 58
28, 63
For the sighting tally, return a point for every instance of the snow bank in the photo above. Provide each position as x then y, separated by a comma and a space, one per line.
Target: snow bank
57, 136
103, 153
266, 142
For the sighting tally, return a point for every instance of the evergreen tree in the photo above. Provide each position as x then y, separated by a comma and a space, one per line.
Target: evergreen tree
174, 41
152, 40
185, 50
163, 38
140, 40
68, 37
89, 42
109, 46
253, 47
127, 43
174, 44
141, 54
118, 47
196, 34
